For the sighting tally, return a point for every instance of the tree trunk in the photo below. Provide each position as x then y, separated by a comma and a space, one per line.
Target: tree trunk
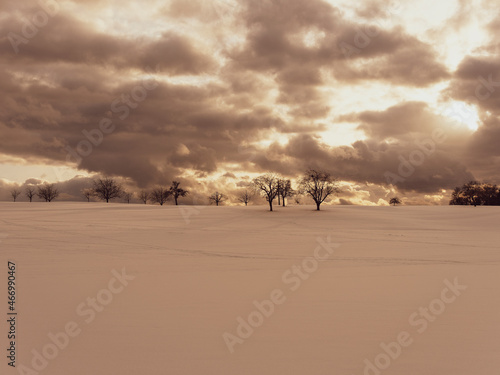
246, 203
283, 201
270, 205
175, 198
317, 206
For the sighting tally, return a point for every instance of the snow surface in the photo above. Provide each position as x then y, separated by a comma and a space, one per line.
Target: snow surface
197, 269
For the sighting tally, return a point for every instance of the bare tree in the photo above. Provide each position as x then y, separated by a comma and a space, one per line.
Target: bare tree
127, 196
319, 185
15, 193
48, 192
30, 192
268, 186
279, 186
88, 193
144, 196
107, 188
160, 195
286, 190
217, 198
245, 197
177, 192
394, 201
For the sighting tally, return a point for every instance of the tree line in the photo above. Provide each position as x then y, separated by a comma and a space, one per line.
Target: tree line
319, 185
107, 188
47, 192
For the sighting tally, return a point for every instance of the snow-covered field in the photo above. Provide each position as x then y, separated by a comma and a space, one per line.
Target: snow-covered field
193, 275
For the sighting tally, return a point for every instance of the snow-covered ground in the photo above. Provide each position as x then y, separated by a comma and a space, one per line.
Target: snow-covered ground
186, 278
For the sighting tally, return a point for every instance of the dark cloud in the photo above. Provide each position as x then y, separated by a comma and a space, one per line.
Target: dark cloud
66, 39
402, 119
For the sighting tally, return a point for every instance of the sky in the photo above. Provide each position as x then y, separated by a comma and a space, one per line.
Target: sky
391, 97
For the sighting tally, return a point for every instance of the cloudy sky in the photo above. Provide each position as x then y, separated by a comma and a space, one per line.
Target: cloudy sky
391, 97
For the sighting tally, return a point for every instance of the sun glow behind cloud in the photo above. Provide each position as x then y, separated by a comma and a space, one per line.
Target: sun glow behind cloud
461, 113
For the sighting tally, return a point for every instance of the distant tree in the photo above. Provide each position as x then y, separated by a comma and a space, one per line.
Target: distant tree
394, 201
88, 193
144, 196
286, 190
127, 196
217, 198
245, 197
475, 193
177, 192
30, 192
319, 185
15, 193
160, 195
267, 185
48, 192
279, 186
107, 188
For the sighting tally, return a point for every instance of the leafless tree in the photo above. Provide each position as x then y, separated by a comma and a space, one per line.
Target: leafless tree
107, 188
279, 186
160, 195
48, 192
286, 190
394, 201
144, 196
267, 185
88, 193
217, 198
319, 185
30, 192
177, 192
127, 196
245, 197
15, 193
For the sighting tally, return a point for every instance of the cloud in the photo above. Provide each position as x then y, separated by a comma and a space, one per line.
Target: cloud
55, 43
243, 87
